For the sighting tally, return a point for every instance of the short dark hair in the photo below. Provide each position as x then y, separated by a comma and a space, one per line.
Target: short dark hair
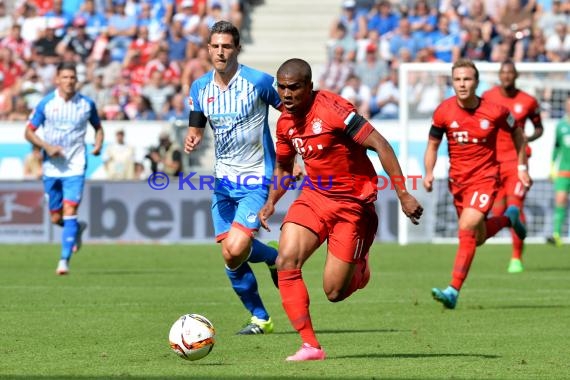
508, 62
462, 62
297, 66
67, 66
225, 27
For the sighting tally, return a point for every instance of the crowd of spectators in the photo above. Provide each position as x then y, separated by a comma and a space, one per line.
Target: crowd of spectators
134, 57
370, 39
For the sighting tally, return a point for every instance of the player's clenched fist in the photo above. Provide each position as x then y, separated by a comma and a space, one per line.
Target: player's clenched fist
411, 207
428, 182
193, 138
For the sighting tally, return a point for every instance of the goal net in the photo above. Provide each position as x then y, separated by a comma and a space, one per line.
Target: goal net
422, 88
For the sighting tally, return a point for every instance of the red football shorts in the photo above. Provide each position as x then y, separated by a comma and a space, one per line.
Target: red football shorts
348, 226
479, 195
510, 186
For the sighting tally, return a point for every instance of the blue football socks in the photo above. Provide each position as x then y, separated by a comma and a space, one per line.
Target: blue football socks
245, 285
68, 236
262, 253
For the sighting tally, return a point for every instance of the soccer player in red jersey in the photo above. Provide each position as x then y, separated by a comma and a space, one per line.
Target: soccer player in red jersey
337, 198
523, 106
471, 125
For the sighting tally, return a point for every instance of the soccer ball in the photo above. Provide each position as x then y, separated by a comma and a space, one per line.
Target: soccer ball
192, 336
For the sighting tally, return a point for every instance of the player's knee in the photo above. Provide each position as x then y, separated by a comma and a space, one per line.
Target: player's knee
334, 292
335, 295
234, 255
287, 260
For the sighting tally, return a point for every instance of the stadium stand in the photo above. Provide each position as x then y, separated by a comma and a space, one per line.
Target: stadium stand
442, 31
119, 45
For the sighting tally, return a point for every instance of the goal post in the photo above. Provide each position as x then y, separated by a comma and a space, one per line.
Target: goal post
422, 86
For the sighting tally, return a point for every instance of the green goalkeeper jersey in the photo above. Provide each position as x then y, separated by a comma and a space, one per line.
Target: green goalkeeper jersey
561, 153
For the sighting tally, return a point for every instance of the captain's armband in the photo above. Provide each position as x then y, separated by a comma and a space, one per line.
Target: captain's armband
197, 119
354, 123
436, 133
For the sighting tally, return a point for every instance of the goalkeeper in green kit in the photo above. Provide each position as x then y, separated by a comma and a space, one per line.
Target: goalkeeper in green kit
561, 175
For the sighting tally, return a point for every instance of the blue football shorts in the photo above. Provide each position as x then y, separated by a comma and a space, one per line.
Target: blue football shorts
237, 205
63, 189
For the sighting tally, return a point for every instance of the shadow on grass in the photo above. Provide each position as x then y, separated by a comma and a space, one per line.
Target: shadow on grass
522, 307
549, 269
347, 331
119, 272
413, 356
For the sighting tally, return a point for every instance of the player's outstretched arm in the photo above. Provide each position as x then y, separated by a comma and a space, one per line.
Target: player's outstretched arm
537, 133
410, 206
538, 127
430, 158
99, 137
519, 139
282, 178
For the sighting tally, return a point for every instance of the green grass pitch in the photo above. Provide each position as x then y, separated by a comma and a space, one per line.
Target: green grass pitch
110, 317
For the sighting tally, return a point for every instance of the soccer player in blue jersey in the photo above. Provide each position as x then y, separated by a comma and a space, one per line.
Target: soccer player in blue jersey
63, 115
235, 100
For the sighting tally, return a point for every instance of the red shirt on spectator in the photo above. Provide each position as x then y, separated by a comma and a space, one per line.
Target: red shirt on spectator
144, 47
171, 71
12, 72
43, 6
20, 47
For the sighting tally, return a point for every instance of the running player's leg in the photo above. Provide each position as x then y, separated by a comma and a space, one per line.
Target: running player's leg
352, 233
516, 193
498, 221
72, 195
234, 224
251, 203
72, 188
472, 204
561, 188
500, 204
301, 234
54, 193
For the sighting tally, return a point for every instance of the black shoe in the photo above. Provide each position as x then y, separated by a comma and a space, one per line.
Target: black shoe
257, 326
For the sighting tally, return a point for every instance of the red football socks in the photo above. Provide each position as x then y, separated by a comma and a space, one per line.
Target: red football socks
464, 257
518, 244
360, 277
495, 224
295, 299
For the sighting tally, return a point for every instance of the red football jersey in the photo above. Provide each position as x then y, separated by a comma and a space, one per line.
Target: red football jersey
337, 164
472, 137
522, 106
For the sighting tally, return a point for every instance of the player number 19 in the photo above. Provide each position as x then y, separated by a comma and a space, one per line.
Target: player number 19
482, 199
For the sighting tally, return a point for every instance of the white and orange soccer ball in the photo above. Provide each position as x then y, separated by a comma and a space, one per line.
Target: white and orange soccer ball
192, 336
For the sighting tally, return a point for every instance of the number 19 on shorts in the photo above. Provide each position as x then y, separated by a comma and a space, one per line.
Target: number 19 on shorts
479, 201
